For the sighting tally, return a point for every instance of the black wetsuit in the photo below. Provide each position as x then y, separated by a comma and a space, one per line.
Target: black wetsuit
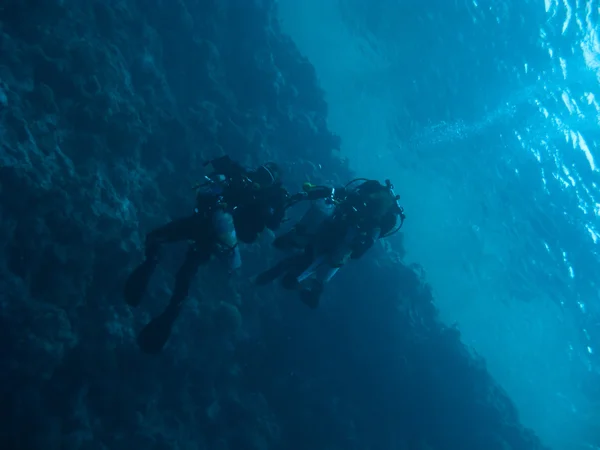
253, 208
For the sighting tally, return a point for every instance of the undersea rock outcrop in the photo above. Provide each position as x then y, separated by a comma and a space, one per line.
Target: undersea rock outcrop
108, 109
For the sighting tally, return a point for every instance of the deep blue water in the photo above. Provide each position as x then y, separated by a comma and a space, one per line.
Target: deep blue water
485, 114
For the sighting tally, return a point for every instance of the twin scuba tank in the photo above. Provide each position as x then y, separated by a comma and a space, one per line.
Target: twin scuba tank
226, 241
317, 214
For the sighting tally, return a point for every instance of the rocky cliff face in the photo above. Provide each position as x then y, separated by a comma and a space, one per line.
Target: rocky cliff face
107, 111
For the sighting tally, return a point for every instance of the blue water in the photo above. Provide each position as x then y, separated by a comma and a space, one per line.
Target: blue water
485, 115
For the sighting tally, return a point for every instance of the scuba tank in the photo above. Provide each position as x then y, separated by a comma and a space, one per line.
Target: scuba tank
322, 208
308, 226
213, 184
210, 203
226, 237
319, 211
209, 193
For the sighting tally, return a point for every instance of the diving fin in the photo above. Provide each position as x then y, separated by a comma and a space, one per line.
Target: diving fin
311, 297
136, 284
156, 333
278, 270
271, 274
311, 269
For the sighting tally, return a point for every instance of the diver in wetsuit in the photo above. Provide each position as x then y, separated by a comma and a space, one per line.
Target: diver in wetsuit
233, 204
342, 224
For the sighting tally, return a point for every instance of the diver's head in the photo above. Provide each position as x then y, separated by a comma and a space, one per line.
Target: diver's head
376, 199
266, 175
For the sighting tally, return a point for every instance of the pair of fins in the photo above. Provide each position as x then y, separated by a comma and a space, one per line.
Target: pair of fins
290, 270
154, 336
156, 333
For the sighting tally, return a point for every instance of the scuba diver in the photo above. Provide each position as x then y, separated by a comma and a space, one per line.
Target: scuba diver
341, 224
233, 205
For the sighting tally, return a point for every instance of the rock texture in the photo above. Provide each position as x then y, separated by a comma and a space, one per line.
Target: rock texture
107, 111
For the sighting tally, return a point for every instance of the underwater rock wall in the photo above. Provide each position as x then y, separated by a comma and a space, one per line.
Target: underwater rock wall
107, 111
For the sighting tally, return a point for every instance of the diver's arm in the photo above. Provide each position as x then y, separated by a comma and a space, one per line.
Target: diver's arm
319, 192
387, 224
277, 210
311, 192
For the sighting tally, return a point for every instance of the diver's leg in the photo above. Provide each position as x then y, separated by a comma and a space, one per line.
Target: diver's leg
187, 228
290, 280
197, 255
333, 250
286, 241
280, 269
311, 295
177, 230
155, 334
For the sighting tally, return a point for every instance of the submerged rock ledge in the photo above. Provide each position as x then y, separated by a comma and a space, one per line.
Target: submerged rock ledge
107, 111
